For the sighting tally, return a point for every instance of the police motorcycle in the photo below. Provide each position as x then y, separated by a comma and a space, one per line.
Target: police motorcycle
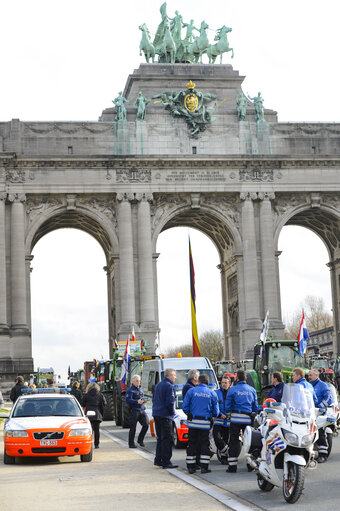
328, 418
281, 447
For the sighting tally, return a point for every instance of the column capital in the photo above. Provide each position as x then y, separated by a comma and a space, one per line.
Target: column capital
266, 196
247, 196
333, 264
125, 197
3, 196
16, 197
144, 197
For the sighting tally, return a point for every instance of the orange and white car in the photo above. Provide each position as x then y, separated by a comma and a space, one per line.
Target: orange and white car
47, 424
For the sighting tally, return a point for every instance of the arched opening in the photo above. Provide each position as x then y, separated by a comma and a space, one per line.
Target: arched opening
68, 301
174, 286
305, 272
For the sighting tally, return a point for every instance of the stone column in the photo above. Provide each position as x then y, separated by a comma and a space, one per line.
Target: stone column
18, 263
3, 286
268, 265
250, 271
145, 264
334, 267
126, 264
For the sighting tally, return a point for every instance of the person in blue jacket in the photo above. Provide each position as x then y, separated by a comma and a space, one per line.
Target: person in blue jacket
298, 377
200, 404
241, 405
163, 411
192, 381
222, 426
324, 399
277, 386
135, 400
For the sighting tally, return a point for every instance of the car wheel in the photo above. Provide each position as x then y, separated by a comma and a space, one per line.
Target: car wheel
175, 439
87, 457
8, 460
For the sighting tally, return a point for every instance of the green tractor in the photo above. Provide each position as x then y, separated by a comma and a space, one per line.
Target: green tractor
108, 373
274, 356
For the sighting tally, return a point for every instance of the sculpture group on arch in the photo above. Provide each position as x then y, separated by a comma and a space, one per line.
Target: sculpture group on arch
169, 45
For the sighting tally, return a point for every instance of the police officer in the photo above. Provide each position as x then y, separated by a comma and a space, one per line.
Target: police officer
163, 411
298, 376
277, 386
222, 426
135, 400
192, 381
200, 404
324, 399
241, 404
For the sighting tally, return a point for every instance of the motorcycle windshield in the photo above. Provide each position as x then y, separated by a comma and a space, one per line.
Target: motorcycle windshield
298, 401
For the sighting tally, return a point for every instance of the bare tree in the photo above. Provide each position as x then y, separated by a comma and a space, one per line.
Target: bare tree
211, 343
316, 317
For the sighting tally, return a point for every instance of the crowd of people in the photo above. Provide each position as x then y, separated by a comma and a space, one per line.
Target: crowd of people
226, 411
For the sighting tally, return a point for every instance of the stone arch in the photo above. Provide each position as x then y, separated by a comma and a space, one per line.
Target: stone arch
323, 220
46, 215
321, 215
85, 219
221, 226
221, 229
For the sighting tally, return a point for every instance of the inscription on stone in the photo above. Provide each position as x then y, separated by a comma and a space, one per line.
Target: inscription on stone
205, 176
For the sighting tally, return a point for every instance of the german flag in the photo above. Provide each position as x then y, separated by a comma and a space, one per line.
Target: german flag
196, 350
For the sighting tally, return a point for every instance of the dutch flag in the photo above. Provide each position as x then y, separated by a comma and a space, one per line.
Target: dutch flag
303, 336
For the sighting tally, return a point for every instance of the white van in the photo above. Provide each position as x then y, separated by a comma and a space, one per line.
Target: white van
153, 372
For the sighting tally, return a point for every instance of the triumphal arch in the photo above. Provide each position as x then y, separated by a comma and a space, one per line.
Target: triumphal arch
180, 146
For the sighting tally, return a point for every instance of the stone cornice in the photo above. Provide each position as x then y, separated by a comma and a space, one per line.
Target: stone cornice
10, 161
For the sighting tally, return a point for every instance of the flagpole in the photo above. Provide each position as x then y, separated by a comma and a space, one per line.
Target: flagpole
196, 350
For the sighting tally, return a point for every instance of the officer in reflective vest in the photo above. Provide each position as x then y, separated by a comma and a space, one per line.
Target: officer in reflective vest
200, 404
241, 405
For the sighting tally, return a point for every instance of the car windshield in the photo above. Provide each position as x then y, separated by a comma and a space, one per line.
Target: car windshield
182, 376
46, 407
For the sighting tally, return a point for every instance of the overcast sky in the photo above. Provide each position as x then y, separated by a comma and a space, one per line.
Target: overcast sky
67, 60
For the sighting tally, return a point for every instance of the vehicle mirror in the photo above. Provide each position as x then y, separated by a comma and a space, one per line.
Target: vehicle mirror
256, 350
90, 413
4, 415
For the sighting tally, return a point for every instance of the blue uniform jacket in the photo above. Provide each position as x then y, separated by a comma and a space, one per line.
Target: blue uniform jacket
164, 398
189, 385
221, 399
201, 402
133, 394
323, 393
276, 392
309, 386
241, 398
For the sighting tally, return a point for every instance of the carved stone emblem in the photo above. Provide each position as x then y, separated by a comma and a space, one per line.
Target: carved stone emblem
256, 174
133, 175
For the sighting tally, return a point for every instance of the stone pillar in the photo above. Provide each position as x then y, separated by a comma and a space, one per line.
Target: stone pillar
268, 263
145, 264
110, 276
251, 281
227, 348
3, 285
126, 264
18, 263
334, 267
